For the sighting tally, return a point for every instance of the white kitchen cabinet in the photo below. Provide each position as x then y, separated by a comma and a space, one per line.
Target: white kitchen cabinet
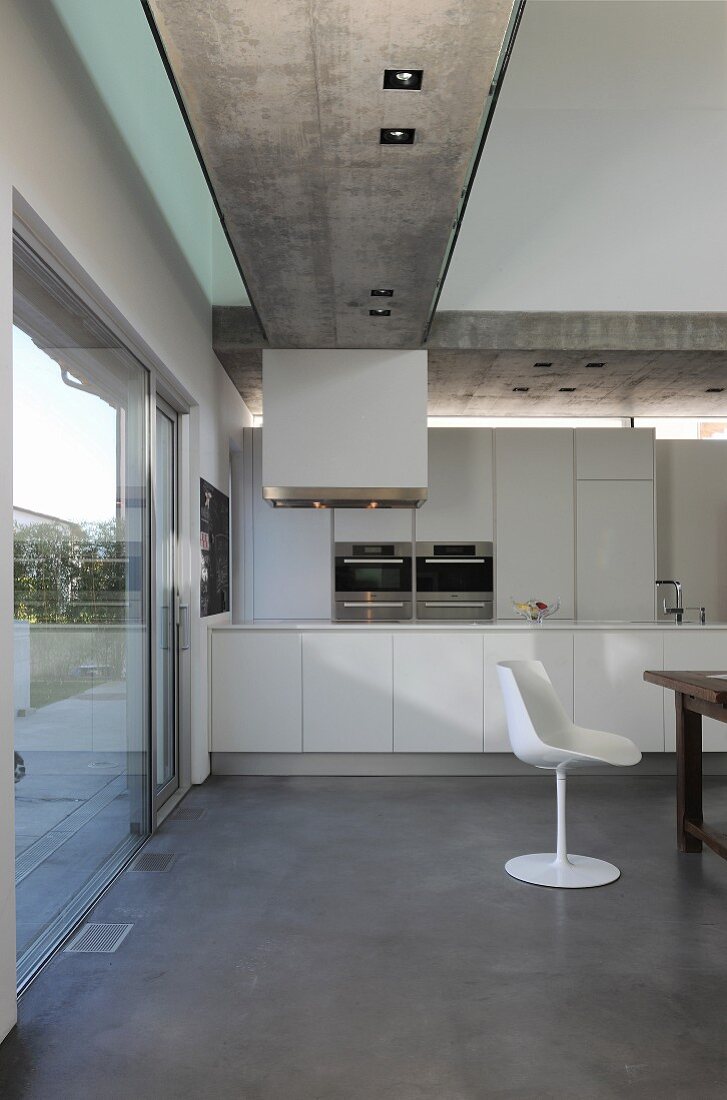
291, 561
347, 692
694, 651
554, 649
438, 693
459, 506
372, 525
535, 529
255, 692
610, 692
616, 561
615, 454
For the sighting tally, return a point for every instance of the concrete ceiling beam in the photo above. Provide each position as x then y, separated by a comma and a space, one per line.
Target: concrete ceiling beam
653, 363
462, 330
286, 101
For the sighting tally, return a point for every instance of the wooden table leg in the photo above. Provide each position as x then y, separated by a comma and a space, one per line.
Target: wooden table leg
689, 774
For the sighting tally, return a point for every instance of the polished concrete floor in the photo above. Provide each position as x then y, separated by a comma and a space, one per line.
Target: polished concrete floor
358, 939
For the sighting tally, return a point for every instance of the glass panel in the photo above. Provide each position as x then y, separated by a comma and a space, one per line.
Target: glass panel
684, 427
454, 576
81, 649
165, 588
373, 577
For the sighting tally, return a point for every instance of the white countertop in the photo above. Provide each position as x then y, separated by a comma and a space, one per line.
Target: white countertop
444, 626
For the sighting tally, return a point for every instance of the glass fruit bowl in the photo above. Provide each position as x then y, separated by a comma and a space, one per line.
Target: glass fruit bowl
534, 611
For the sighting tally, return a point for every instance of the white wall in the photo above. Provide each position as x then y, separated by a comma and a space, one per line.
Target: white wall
602, 182
691, 516
64, 157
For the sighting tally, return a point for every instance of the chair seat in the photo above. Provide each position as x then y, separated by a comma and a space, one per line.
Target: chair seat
596, 747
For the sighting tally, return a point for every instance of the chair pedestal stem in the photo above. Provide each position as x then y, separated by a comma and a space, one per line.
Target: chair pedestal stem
561, 855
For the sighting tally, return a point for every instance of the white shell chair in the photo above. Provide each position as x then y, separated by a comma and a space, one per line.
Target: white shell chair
542, 734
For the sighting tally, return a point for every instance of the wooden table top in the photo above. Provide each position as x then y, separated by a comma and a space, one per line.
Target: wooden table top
702, 685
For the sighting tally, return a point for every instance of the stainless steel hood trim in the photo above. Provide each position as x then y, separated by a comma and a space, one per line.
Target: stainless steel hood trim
312, 496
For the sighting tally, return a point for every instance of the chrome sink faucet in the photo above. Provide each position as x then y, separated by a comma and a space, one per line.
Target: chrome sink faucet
678, 610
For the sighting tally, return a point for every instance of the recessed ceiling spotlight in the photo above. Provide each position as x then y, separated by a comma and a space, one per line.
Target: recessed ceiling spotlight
397, 135
410, 79
520, 389
567, 389
379, 313
542, 364
593, 365
382, 293
715, 389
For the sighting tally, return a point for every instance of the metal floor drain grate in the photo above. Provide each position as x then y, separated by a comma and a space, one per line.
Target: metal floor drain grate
187, 813
38, 852
152, 861
99, 938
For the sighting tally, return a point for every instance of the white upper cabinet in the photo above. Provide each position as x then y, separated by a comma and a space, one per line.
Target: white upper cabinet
616, 552
534, 507
372, 525
291, 559
615, 454
459, 505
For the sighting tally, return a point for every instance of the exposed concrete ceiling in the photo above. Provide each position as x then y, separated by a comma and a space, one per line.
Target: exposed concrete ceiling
654, 364
630, 383
480, 383
286, 100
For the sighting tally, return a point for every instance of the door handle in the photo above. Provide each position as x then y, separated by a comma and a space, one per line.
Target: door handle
164, 623
183, 623
454, 561
371, 603
451, 603
373, 561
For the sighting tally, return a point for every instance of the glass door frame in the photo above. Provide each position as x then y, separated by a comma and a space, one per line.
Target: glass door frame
179, 612
161, 384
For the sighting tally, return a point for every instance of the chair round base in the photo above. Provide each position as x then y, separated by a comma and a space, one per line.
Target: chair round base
578, 873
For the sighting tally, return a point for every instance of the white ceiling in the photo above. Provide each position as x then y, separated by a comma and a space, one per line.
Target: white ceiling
602, 186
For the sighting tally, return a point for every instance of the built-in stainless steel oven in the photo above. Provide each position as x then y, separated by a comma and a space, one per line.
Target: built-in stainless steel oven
454, 580
373, 581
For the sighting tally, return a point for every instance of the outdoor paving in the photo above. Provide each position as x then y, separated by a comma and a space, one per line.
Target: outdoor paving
72, 750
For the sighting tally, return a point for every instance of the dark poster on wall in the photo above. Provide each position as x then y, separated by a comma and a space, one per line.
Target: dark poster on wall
214, 540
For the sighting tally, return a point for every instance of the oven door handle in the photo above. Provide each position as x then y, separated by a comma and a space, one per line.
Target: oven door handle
453, 603
373, 561
371, 603
455, 561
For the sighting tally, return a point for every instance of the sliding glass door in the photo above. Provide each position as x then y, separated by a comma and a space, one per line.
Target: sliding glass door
82, 594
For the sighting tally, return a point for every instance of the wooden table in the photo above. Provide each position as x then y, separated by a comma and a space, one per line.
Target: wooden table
696, 695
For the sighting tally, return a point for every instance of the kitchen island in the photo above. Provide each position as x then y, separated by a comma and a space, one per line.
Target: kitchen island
297, 697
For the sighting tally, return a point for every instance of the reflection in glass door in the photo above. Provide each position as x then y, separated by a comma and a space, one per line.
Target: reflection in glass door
166, 677
80, 527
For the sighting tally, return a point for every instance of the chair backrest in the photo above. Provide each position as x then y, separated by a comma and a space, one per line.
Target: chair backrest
535, 716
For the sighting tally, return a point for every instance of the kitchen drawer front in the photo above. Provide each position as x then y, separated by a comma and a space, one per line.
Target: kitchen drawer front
347, 693
438, 693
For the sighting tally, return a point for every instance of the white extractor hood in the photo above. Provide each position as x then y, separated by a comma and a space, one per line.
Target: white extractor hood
345, 428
